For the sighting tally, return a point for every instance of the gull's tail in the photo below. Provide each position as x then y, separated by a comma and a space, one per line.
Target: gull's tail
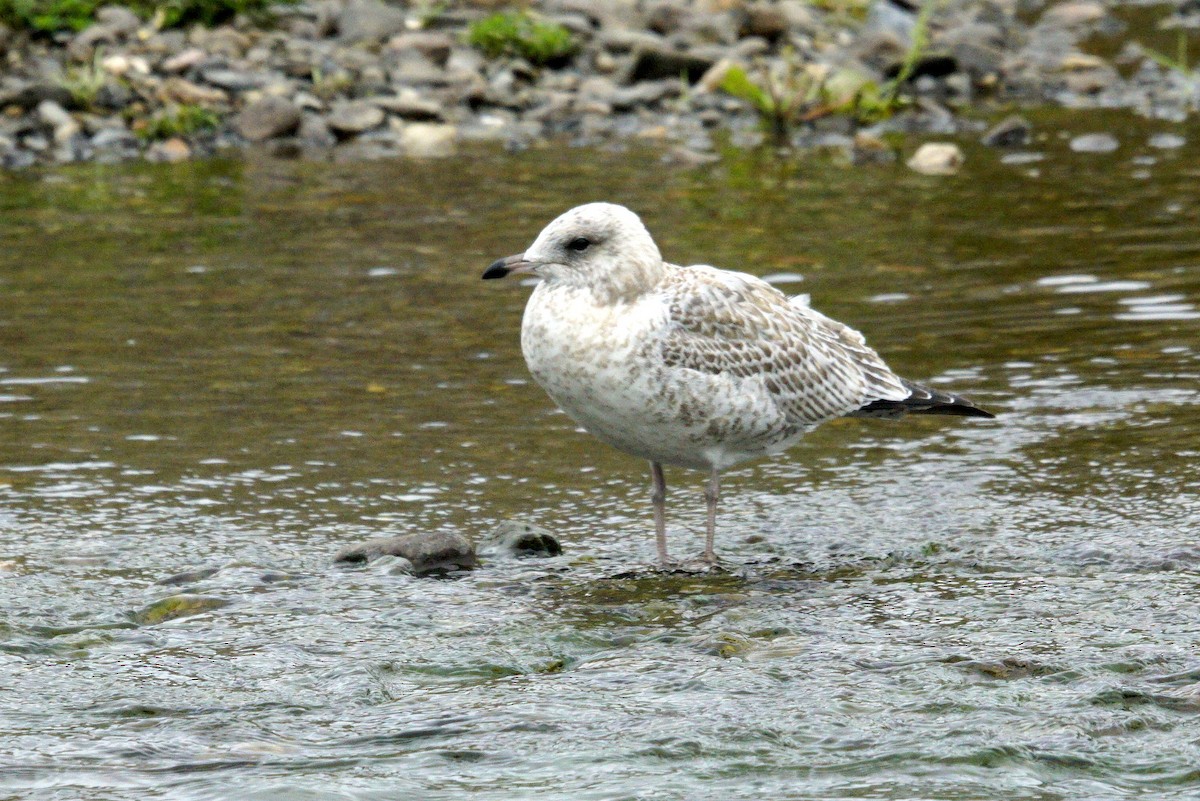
922, 400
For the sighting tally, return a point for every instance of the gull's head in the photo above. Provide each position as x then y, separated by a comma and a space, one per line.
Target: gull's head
602, 247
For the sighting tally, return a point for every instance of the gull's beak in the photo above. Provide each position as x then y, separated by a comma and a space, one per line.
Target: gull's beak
509, 264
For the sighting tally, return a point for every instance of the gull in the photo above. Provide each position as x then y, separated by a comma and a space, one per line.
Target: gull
696, 367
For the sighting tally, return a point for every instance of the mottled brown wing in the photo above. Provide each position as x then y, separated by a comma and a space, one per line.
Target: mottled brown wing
731, 323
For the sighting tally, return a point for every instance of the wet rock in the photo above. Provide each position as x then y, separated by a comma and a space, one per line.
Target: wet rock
369, 21
428, 140
936, 158
1008, 668
267, 118
654, 63
354, 117
434, 551
171, 151
1095, 143
1012, 131
189, 576
177, 606
517, 538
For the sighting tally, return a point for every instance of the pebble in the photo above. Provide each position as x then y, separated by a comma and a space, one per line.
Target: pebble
1012, 131
936, 158
267, 118
1095, 143
369, 73
518, 538
355, 117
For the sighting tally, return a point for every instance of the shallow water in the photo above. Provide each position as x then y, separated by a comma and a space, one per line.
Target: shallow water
228, 371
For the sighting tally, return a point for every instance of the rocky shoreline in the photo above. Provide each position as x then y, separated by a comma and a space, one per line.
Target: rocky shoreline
364, 79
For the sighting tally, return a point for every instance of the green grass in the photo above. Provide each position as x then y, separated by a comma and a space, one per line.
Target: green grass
178, 120
84, 81
521, 33
52, 16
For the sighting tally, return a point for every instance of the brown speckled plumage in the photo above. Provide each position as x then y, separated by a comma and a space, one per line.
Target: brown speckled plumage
690, 366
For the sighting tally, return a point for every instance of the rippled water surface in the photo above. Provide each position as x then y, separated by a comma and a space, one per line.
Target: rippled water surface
213, 376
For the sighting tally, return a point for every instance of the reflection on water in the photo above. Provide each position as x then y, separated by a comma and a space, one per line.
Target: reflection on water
214, 375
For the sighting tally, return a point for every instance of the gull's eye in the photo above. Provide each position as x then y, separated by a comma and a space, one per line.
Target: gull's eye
579, 244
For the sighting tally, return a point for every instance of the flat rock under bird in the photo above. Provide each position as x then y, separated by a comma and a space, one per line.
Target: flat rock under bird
690, 366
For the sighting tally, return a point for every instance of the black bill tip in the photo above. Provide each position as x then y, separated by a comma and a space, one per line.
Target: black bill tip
497, 269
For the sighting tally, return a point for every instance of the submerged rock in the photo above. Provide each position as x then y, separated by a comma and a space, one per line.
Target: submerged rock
516, 538
1012, 131
176, 606
428, 551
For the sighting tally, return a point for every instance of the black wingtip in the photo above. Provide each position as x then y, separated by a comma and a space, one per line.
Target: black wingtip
924, 400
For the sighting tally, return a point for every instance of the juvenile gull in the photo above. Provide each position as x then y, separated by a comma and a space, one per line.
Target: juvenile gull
690, 366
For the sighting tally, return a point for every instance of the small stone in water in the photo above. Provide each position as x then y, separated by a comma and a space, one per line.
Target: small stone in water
515, 538
1012, 131
1095, 143
429, 551
936, 158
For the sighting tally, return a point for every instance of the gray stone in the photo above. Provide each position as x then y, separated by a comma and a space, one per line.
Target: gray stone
431, 45
119, 19
267, 118
516, 538
369, 21
119, 139
1095, 143
234, 80
28, 94
314, 133
762, 19
113, 95
1012, 131
409, 105
666, 63
433, 551
355, 117
182, 62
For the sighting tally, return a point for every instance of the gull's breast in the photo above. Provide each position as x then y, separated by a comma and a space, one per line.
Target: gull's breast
603, 366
